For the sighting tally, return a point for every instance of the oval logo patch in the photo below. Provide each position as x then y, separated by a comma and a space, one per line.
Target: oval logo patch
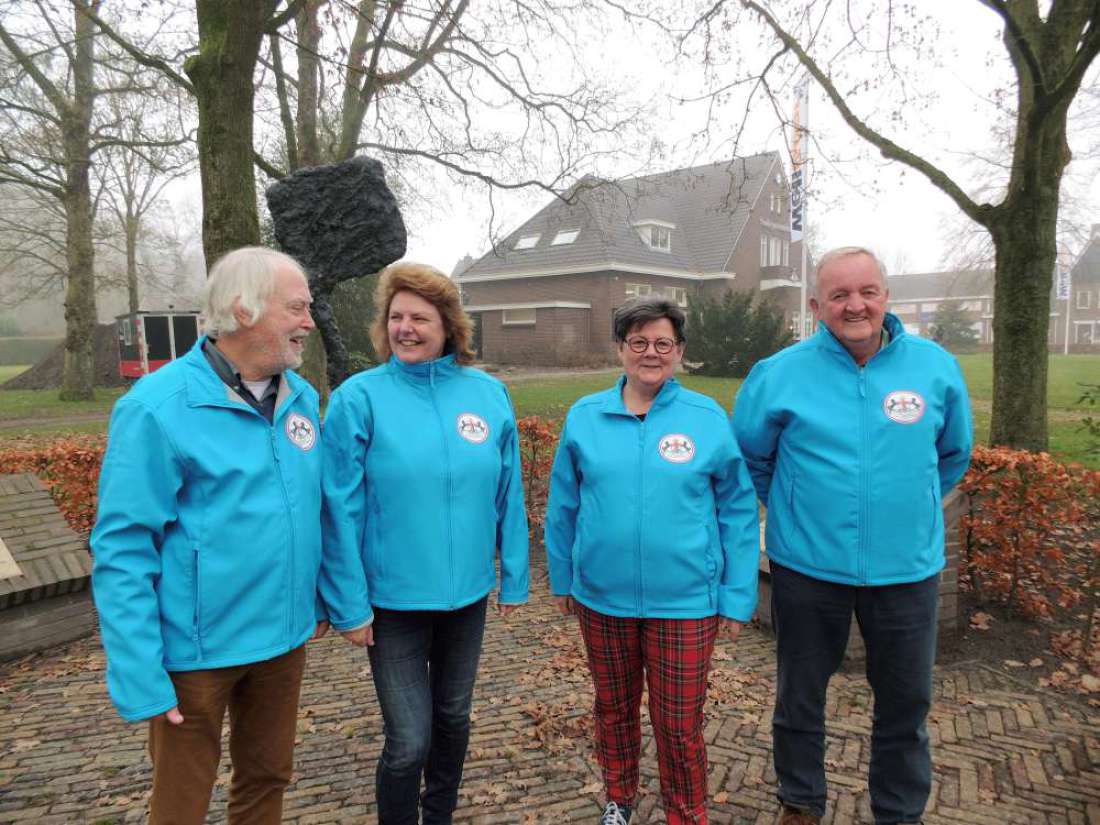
473, 428
300, 431
903, 406
677, 448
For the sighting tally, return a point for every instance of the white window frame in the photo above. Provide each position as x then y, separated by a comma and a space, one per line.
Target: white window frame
565, 236
1084, 299
677, 294
763, 249
663, 230
660, 237
522, 317
638, 290
526, 242
1081, 325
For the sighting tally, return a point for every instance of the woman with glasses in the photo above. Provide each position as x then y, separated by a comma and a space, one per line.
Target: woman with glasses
652, 540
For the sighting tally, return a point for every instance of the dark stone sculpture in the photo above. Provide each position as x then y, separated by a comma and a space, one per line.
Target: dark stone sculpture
340, 221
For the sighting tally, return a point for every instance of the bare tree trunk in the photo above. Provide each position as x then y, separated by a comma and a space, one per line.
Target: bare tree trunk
80, 310
131, 263
230, 32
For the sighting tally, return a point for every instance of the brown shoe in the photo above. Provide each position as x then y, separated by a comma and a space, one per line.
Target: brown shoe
797, 816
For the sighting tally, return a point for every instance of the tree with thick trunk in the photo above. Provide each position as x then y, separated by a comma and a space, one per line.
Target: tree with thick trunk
1050, 51
70, 113
221, 74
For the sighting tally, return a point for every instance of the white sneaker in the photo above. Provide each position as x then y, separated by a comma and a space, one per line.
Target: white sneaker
615, 814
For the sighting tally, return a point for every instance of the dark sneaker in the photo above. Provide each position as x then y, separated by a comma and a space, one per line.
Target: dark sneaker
797, 816
615, 814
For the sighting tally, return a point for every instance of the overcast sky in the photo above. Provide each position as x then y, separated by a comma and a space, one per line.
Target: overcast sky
862, 200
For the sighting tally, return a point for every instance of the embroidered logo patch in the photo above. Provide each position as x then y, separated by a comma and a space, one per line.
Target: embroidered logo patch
676, 447
473, 428
903, 406
300, 431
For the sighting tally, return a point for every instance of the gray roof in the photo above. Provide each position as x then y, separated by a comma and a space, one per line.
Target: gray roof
930, 285
708, 206
1087, 266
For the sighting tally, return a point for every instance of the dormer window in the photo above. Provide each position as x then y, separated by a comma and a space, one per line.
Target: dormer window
526, 242
656, 234
566, 236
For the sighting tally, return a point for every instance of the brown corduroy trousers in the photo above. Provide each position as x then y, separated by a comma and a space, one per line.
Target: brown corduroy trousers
262, 700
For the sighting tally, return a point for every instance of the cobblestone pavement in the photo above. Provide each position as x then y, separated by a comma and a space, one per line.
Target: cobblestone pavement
1003, 753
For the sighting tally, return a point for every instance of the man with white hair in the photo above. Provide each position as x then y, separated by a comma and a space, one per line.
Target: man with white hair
209, 575
852, 438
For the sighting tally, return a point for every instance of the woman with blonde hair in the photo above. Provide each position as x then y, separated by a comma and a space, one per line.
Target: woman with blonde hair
422, 478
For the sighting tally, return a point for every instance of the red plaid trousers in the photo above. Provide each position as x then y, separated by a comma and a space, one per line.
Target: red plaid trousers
672, 656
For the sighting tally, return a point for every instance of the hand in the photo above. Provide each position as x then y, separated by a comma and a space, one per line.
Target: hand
505, 610
731, 628
319, 631
564, 605
361, 636
173, 716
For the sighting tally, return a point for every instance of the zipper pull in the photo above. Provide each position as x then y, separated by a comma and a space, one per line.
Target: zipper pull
862, 382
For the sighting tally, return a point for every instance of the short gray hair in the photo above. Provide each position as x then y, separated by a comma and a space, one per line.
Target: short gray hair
640, 311
244, 277
842, 252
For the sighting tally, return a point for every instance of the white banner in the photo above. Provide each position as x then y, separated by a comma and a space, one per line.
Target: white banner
1061, 291
799, 153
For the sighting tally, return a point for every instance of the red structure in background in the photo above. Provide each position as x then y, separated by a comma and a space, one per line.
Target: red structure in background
149, 340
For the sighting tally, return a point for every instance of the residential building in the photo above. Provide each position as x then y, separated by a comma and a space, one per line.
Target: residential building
914, 298
545, 295
1083, 305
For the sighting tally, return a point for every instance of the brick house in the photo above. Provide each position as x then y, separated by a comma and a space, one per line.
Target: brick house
914, 298
546, 294
1083, 306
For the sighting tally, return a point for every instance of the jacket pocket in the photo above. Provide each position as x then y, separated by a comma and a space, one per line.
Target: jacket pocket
196, 619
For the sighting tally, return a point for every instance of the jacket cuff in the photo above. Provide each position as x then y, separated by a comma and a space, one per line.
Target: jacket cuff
734, 604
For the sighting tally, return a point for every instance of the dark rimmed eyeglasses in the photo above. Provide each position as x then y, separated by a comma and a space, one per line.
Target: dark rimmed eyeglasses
662, 346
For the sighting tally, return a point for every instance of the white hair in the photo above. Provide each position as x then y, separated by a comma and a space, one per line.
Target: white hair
242, 278
847, 252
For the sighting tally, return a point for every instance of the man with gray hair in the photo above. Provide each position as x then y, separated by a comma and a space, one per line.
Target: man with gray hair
853, 437
209, 575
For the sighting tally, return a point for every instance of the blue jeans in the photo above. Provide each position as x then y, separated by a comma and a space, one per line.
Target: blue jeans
898, 622
424, 663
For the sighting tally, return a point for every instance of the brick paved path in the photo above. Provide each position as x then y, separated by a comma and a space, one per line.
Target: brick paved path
1003, 753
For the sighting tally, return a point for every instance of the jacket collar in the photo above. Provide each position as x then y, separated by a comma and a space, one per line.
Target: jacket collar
890, 322
614, 405
425, 372
205, 388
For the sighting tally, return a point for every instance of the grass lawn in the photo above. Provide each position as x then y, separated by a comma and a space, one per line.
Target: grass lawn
552, 397
7, 373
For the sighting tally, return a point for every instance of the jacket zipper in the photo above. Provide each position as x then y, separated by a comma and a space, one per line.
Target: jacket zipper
447, 474
863, 482
290, 543
639, 587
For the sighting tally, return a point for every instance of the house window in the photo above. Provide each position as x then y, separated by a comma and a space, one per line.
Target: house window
786, 253
527, 242
777, 203
124, 333
638, 290
763, 250
518, 316
1082, 332
1083, 297
660, 237
566, 236
677, 294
